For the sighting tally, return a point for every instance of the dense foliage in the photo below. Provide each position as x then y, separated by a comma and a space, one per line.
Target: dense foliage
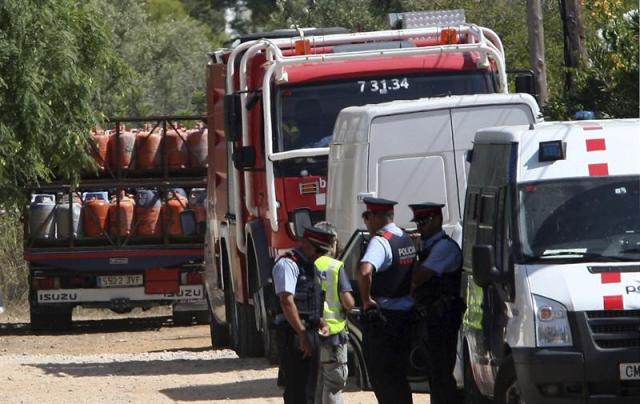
52, 55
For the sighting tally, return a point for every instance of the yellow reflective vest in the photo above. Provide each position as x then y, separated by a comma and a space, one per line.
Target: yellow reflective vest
328, 269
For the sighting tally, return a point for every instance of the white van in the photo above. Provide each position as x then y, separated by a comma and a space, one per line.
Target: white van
411, 152
408, 151
552, 264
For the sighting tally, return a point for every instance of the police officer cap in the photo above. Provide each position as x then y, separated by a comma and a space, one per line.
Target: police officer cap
319, 238
378, 204
426, 209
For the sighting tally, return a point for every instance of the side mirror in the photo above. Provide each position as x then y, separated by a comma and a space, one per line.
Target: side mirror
525, 84
232, 117
301, 219
484, 270
244, 157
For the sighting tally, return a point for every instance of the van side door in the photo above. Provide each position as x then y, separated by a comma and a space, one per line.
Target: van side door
486, 223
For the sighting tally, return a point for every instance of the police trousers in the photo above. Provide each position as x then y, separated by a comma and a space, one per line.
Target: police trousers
441, 345
386, 345
332, 377
299, 374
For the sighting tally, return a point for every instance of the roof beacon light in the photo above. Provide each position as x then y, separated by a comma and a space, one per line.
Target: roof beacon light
449, 36
422, 19
551, 151
303, 47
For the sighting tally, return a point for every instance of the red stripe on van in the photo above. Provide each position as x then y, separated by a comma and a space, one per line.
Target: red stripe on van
590, 126
598, 169
596, 144
610, 277
613, 302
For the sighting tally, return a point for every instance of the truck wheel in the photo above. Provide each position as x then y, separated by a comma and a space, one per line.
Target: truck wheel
506, 390
202, 317
50, 318
268, 334
182, 318
219, 332
250, 339
471, 393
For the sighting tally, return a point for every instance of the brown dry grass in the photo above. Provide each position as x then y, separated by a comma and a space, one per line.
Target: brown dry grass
14, 274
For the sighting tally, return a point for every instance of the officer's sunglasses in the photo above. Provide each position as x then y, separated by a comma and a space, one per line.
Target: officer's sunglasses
366, 215
424, 220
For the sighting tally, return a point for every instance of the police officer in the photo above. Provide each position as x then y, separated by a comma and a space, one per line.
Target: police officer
298, 319
338, 300
384, 280
436, 288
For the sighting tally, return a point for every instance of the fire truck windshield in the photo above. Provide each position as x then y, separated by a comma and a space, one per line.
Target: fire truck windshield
306, 113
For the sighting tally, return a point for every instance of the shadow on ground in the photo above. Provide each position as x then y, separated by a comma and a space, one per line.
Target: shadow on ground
93, 326
151, 367
246, 389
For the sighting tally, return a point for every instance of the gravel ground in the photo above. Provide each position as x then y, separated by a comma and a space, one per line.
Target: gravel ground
132, 360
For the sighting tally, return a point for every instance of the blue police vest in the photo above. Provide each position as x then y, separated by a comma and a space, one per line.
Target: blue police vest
447, 284
308, 294
395, 281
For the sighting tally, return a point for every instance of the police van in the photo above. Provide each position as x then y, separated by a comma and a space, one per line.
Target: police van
408, 151
551, 246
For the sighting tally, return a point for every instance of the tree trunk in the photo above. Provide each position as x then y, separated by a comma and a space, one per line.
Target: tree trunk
575, 54
536, 48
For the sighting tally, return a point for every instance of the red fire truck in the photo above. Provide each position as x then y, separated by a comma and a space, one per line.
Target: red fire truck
272, 102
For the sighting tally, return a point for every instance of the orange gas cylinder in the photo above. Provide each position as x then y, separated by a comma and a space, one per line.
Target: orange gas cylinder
121, 146
100, 147
177, 156
176, 204
148, 149
147, 213
197, 145
121, 215
95, 213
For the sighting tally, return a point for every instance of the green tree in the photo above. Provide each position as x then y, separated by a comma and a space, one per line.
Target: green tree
166, 49
53, 56
609, 84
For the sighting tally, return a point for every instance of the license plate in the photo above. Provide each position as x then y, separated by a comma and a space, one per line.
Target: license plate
630, 371
112, 281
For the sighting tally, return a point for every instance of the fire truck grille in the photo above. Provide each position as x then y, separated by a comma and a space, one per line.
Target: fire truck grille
615, 328
309, 188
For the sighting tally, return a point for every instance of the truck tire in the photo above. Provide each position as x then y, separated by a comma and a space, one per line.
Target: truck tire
182, 318
506, 389
250, 338
267, 332
202, 317
44, 319
471, 393
219, 332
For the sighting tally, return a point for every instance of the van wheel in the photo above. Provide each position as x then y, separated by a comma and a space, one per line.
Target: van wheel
471, 393
506, 390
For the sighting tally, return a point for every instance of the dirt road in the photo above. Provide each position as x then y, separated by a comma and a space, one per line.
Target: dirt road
139, 360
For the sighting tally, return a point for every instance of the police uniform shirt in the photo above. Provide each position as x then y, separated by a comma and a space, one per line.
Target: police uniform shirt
285, 276
379, 255
343, 286
444, 256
